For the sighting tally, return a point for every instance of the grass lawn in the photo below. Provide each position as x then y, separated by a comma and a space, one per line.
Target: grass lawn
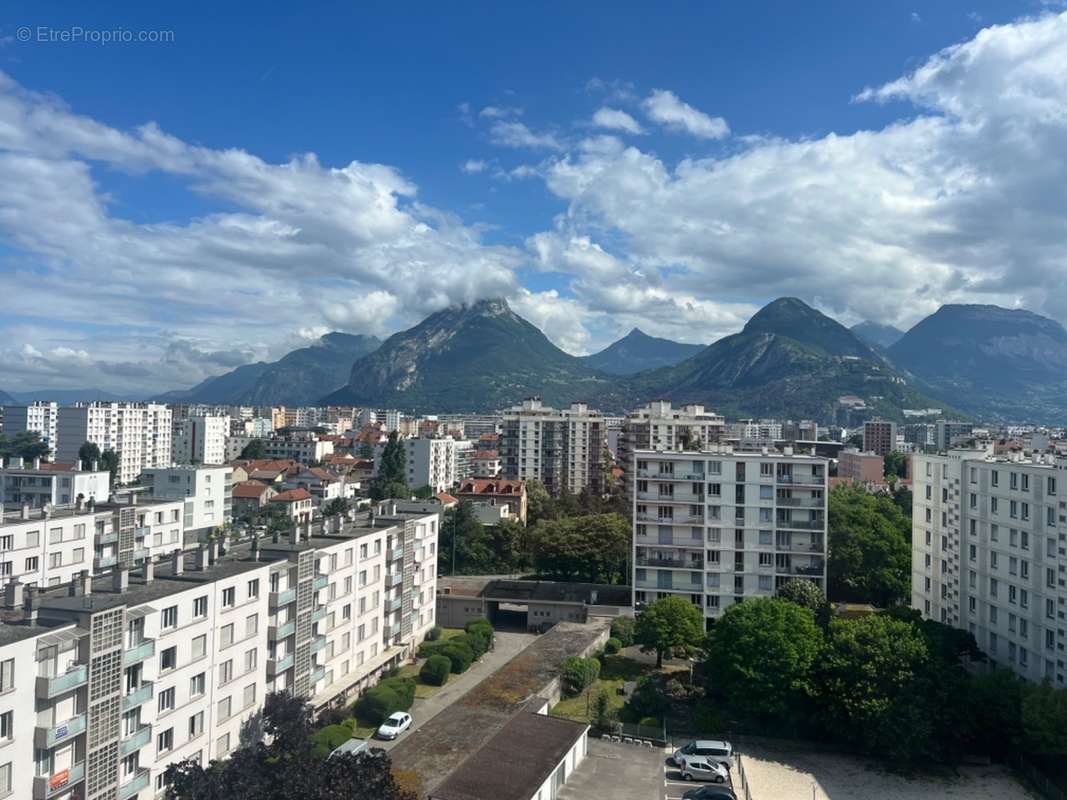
422, 690
615, 672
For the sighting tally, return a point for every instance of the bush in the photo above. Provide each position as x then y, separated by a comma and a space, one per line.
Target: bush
435, 671
334, 716
622, 629
428, 648
404, 689
477, 640
480, 635
389, 696
328, 739
434, 633
612, 646
459, 652
647, 699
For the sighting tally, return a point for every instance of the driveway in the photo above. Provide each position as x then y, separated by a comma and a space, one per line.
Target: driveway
507, 646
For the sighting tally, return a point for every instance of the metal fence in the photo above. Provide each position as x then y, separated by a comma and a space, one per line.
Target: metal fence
1038, 779
741, 789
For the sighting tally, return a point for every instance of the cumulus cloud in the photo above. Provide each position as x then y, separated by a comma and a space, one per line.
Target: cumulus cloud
474, 165
500, 112
616, 119
666, 108
516, 134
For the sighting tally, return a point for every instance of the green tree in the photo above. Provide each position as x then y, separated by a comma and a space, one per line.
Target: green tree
577, 674
391, 480
804, 593
538, 503
622, 628
464, 541
895, 466
760, 654
109, 460
26, 445
666, 624
995, 700
255, 449
869, 548
424, 493
88, 453
336, 507
593, 548
287, 720
1044, 719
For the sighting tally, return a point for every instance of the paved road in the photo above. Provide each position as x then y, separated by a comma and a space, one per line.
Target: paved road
507, 646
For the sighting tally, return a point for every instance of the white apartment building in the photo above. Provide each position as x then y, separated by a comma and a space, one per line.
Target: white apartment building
139, 432
200, 440
988, 554
390, 419
38, 417
764, 431
50, 547
206, 493
720, 525
427, 462
305, 447
658, 426
108, 680
562, 448
38, 485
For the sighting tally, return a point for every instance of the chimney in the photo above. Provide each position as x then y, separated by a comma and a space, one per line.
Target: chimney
202, 558
255, 547
13, 594
30, 605
78, 466
178, 562
94, 463
148, 570
86, 582
294, 535
16, 462
37, 463
120, 580
213, 552
91, 505
275, 536
25, 510
78, 503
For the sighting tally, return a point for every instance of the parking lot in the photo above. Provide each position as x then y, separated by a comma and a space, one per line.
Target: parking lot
617, 771
674, 785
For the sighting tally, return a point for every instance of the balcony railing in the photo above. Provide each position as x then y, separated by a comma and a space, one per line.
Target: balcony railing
107, 538
103, 562
675, 586
282, 598
682, 499
675, 520
317, 674
671, 476
393, 604
139, 696
320, 582
800, 547
669, 563
671, 541
802, 524
282, 631
278, 665
801, 502
389, 631
318, 643
318, 613
47, 786
138, 653
393, 553
49, 687
802, 480
45, 737
136, 740
134, 785
394, 579
802, 569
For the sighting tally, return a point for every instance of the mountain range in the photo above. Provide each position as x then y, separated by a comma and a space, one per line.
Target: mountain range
300, 377
883, 336
638, 351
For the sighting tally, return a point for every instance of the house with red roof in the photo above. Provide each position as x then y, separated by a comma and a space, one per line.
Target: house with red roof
298, 504
496, 492
249, 497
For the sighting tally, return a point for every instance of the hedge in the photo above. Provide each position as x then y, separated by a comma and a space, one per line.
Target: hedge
612, 646
622, 628
389, 696
459, 652
328, 739
434, 633
436, 670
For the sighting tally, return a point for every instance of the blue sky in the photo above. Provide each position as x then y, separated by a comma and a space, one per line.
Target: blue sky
458, 152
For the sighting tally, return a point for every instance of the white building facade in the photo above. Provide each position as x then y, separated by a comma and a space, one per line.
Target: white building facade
988, 543
139, 432
562, 448
38, 485
206, 493
40, 417
719, 526
200, 440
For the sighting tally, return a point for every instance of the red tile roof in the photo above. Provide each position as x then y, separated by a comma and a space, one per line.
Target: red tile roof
446, 498
249, 490
291, 496
491, 486
485, 454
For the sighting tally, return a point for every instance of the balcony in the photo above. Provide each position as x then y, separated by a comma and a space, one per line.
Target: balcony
138, 653
670, 541
389, 631
139, 696
103, 562
320, 582
803, 524
282, 631
134, 785
59, 733
140, 533
800, 547
276, 666
136, 740
674, 586
669, 563
802, 480
318, 643
282, 598
317, 674
675, 520
812, 568
107, 538
76, 676
393, 553
393, 604
801, 502
318, 613
670, 476
46, 786
394, 579
140, 554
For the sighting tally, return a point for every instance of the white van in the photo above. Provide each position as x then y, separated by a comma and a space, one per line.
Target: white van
712, 749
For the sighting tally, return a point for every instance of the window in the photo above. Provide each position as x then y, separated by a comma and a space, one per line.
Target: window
32, 562
196, 724
249, 695
225, 672
5, 777
251, 624
197, 685
7, 725
200, 607
170, 617
7, 675
228, 597
168, 659
250, 659
166, 700
222, 746
223, 708
253, 588
200, 646
165, 741
226, 635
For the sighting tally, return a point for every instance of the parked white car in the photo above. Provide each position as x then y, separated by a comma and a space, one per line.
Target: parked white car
712, 749
394, 726
701, 768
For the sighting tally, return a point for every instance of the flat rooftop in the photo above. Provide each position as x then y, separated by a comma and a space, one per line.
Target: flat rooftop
438, 748
519, 591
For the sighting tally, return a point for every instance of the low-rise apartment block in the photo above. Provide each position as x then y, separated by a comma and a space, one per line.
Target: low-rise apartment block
38, 484
988, 554
206, 493
718, 526
861, 467
109, 679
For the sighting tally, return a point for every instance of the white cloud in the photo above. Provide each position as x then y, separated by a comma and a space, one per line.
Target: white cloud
473, 166
915, 17
516, 134
616, 119
500, 112
666, 108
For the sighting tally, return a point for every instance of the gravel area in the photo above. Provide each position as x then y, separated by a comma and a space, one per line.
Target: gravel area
779, 773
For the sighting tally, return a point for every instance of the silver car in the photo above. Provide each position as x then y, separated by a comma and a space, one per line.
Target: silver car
701, 768
712, 749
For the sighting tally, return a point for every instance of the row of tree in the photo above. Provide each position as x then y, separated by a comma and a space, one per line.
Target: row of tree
889, 684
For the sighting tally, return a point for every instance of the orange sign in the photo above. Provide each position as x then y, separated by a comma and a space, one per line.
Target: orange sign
59, 779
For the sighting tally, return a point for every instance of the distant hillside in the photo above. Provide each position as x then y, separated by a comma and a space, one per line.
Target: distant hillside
996, 363
479, 357
789, 361
883, 336
638, 351
6, 399
68, 396
298, 378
